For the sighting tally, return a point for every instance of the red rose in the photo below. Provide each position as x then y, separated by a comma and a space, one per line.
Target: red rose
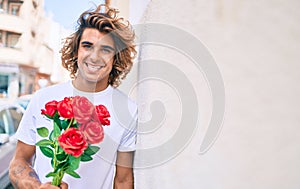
73, 142
103, 114
65, 108
83, 109
92, 131
50, 108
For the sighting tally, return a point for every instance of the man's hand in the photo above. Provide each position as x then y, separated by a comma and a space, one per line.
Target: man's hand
48, 185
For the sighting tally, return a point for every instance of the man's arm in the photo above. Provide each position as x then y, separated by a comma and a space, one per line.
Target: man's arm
21, 172
124, 171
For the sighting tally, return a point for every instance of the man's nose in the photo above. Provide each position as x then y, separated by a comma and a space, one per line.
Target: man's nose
95, 56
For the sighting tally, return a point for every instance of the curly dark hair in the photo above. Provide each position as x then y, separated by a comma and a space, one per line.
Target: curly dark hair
104, 19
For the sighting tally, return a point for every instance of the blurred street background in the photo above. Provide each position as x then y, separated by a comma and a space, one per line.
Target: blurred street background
251, 45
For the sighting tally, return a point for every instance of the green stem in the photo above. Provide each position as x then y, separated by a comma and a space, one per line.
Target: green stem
60, 174
56, 181
55, 152
58, 177
70, 124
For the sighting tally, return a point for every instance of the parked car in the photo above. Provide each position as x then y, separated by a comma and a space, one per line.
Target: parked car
10, 116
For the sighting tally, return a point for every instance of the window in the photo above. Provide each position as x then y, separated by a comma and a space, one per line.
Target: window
3, 85
1, 39
12, 39
27, 77
14, 8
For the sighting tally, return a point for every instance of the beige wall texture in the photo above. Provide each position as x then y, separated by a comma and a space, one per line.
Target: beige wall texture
255, 45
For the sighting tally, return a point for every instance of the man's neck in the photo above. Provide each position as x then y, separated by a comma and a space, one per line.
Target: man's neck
91, 87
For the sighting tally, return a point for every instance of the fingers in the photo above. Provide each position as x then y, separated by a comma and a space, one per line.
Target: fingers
48, 185
64, 185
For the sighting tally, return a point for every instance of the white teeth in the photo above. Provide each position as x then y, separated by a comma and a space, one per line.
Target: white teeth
94, 67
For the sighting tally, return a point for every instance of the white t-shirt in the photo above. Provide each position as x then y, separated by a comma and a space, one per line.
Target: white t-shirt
119, 136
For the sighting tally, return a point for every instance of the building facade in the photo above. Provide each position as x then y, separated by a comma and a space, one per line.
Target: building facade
25, 45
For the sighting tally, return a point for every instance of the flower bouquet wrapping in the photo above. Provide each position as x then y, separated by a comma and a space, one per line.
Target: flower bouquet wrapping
77, 125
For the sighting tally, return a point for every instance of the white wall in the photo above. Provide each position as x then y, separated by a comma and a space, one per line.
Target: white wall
255, 45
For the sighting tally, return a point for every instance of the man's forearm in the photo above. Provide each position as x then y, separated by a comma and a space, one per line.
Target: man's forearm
125, 182
124, 178
123, 185
22, 175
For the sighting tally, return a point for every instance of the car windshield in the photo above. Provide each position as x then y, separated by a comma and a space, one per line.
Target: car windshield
9, 120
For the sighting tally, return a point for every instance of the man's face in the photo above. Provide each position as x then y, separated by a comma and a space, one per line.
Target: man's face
95, 57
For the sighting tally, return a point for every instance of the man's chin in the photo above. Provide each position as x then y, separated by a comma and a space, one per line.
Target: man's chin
96, 81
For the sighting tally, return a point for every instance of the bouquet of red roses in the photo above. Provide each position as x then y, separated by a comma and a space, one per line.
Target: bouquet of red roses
77, 124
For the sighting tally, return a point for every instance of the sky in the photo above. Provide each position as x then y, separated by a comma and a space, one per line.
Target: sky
66, 12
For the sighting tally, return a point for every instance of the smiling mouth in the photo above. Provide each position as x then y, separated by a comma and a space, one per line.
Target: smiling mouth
94, 67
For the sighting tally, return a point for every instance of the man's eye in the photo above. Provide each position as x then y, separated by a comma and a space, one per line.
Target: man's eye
106, 51
87, 46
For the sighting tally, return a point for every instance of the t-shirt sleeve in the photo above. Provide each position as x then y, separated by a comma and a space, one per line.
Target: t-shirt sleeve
27, 128
128, 141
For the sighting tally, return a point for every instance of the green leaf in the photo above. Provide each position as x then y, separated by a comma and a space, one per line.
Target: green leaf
91, 150
49, 117
64, 124
60, 165
61, 157
56, 131
72, 173
47, 151
74, 163
57, 120
60, 150
51, 174
85, 157
43, 143
56, 116
51, 136
75, 123
43, 131
52, 163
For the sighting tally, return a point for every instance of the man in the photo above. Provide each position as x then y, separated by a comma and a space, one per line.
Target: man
98, 55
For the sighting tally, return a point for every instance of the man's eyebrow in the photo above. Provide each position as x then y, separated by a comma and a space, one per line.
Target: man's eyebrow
103, 46
108, 47
86, 43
